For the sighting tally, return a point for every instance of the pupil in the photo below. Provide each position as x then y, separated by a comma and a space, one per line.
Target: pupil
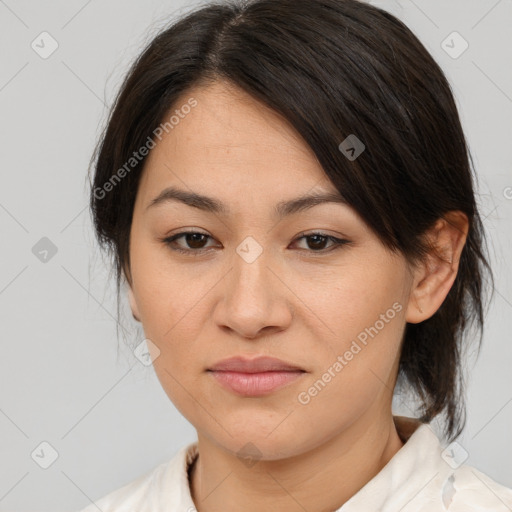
196, 238
317, 238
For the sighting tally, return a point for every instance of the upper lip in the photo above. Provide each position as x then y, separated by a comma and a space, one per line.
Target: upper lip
256, 365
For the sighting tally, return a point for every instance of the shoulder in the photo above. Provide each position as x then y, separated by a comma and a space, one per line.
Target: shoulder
470, 490
165, 485
425, 477
131, 496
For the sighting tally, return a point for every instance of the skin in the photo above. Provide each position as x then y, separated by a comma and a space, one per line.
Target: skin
293, 302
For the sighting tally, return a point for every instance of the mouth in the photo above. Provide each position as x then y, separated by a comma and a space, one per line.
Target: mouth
256, 377
255, 384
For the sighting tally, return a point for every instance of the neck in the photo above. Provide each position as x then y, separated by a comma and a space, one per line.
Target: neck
321, 479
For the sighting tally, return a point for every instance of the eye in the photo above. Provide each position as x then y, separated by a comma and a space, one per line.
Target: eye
195, 241
316, 242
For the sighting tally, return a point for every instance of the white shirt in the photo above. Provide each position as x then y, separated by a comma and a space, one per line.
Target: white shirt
420, 477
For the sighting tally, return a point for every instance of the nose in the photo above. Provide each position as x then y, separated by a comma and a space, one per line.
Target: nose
255, 302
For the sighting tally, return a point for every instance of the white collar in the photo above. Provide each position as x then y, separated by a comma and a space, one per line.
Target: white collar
418, 478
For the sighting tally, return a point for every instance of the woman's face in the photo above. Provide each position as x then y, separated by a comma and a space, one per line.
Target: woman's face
252, 283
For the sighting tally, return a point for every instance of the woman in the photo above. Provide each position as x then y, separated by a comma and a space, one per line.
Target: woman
287, 193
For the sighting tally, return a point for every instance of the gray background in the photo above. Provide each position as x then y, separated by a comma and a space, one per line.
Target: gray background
63, 379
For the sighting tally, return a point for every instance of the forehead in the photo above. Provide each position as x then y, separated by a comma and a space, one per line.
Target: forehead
229, 139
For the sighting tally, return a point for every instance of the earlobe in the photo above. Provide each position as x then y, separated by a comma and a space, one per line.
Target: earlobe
436, 275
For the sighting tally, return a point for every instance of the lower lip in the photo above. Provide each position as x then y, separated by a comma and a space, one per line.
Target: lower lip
255, 384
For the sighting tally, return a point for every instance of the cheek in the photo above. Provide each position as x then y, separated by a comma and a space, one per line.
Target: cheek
356, 367
173, 316
360, 317
352, 297
169, 296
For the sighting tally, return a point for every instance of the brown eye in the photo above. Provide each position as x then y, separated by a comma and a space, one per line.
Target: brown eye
194, 242
316, 242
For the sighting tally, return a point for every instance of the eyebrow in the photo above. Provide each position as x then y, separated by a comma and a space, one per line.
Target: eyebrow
212, 205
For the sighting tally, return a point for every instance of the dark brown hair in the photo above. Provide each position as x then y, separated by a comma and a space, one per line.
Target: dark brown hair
331, 68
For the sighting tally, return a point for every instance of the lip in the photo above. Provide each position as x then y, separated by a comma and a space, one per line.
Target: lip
256, 365
255, 377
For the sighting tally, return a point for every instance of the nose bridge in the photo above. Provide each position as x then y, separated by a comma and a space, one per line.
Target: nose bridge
250, 280
251, 299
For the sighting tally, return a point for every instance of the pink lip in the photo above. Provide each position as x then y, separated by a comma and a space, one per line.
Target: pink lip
256, 365
255, 384
254, 377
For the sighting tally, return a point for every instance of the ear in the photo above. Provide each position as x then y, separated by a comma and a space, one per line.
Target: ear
435, 275
131, 295
133, 304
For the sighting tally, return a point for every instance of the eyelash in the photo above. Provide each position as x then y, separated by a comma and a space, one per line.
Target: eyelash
337, 242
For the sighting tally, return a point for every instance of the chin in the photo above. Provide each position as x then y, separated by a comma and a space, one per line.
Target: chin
254, 444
